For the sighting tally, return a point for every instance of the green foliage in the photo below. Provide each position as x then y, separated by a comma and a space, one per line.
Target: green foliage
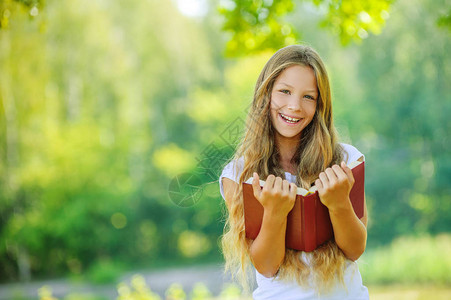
409, 261
417, 292
175, 292
45, 293
104, 271
404, 133
82, 115
405, 265
256, 25
200, 291
8, 8
260, 25
230, 292
138, 289
445, 20
83, 296
354, 20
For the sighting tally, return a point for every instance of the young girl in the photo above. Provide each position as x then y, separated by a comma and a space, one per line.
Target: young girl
290, 141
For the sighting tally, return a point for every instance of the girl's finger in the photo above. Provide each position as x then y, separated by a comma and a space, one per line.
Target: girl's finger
256, 186
331, 175
285, 187
348, 171
319, 184
269, 184
340, 173
293, 190
278, 184
323, 178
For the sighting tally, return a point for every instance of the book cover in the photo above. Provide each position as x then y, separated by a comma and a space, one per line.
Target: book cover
308, 223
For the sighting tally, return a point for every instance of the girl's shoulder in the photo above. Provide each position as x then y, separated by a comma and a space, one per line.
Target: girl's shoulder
351, 153
231, 171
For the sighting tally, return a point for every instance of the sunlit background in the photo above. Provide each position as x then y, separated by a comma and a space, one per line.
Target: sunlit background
116, 118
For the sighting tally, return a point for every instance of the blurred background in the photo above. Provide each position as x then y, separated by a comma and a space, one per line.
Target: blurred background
116, 118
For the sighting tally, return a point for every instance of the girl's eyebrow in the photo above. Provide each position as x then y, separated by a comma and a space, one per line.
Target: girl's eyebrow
286, 84
290, 86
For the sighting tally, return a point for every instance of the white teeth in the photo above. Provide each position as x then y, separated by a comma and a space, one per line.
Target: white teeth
287, 118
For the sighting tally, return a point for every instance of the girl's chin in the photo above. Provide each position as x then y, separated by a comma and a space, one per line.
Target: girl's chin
289, 135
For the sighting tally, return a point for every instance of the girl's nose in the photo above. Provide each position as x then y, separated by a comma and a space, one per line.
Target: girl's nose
294, 104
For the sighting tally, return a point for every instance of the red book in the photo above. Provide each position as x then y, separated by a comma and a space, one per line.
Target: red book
308, 223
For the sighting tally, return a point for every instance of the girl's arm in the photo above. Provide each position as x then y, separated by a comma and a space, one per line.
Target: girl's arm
267, 251
334, 185
277, 197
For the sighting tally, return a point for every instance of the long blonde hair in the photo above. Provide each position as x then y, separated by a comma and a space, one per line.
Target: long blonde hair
317, 150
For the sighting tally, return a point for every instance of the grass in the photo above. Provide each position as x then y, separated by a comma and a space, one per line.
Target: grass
411, 292
391, 292
409, 260
413, 268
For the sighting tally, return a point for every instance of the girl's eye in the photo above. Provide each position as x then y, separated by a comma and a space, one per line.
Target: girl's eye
309, 97
285, 92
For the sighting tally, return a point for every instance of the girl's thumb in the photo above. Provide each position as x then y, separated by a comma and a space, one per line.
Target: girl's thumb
347, 170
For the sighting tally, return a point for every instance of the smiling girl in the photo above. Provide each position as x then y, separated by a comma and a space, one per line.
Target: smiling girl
290, 141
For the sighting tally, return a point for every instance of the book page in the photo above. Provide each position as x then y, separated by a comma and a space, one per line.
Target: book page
302, 191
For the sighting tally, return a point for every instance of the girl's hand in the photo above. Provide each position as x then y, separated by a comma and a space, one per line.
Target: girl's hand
334, 185
277, 196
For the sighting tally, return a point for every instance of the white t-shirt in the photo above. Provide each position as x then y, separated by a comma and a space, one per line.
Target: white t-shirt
270, 288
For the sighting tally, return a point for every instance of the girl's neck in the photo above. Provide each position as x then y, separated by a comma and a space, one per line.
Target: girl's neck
287, 149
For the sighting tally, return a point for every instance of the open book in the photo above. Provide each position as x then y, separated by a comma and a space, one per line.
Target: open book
308, 223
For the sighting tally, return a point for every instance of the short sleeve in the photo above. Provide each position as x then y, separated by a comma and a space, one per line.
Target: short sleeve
230, 171
351, 153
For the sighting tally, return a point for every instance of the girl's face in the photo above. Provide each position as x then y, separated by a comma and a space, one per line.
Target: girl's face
293, 101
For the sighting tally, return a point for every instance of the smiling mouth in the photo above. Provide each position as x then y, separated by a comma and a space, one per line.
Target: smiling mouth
289, 119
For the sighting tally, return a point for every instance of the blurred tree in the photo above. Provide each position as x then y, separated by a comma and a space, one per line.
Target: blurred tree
260, 25
445, 19
406, 129
8, 8
84, 106
265, 24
